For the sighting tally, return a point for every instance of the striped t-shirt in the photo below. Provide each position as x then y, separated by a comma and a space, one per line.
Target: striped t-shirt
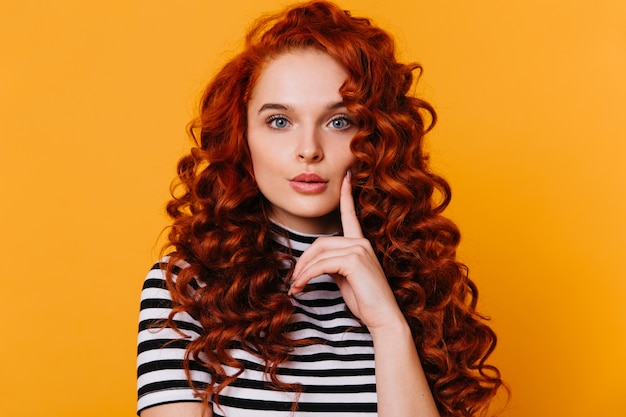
336, 374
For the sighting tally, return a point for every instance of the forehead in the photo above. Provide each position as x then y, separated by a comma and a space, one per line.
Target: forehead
295, 75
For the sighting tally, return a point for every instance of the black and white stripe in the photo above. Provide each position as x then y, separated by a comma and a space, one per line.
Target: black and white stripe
337, 373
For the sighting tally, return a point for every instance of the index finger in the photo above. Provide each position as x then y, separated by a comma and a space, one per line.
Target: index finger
349, 222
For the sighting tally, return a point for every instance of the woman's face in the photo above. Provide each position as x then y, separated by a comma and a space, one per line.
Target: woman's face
299, 134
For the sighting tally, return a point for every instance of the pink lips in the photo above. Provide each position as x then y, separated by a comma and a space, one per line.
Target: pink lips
308, 183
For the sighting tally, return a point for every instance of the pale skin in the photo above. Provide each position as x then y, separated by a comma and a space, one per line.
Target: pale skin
401, 385
297, 118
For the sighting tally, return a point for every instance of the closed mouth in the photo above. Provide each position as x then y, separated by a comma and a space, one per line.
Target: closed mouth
309, 178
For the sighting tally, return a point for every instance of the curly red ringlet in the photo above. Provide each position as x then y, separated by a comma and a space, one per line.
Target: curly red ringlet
220, 223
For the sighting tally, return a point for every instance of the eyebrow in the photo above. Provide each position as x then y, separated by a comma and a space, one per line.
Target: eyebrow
278, 106
273, 106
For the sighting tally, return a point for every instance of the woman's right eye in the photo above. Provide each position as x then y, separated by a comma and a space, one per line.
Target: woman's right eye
277, 122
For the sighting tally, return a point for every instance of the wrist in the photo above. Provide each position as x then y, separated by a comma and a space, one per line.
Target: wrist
393, 329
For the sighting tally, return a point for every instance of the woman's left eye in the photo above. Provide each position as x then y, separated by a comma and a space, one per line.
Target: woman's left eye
340, 122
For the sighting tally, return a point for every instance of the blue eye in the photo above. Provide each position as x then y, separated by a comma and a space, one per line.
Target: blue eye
340, 122
277, 122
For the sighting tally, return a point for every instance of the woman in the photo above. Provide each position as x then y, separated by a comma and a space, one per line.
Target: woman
312, 271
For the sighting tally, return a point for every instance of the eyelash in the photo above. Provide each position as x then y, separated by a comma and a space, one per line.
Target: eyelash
275, 117
343, 117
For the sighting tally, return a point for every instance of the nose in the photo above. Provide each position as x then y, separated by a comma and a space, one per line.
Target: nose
309, 147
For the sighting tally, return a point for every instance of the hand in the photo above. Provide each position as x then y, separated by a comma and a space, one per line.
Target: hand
351, 261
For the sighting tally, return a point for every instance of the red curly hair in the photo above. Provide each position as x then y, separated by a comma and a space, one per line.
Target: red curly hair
221, 228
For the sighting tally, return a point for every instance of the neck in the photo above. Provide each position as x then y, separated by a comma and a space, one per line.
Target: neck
326, 225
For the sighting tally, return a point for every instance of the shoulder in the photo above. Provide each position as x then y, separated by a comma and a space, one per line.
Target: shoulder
159, 269
156, 298
156, 277
161, 376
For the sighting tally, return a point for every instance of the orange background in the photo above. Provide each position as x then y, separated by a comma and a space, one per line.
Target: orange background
93, 103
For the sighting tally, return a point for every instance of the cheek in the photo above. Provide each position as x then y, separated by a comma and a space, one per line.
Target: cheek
347, 157
263, 163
